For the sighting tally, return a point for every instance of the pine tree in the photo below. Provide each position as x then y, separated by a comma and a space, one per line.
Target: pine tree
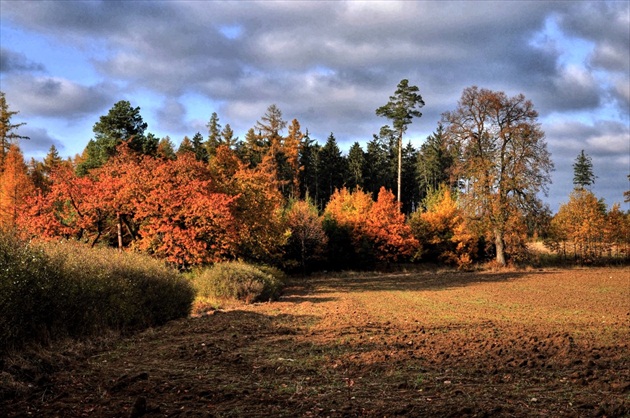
8, 135
401, 109
356, 166
583, 171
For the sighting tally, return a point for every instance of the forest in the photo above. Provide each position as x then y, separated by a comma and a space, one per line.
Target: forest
469, 194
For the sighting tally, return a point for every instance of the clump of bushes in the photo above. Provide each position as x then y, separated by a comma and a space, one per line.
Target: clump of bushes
66, 289
239, 281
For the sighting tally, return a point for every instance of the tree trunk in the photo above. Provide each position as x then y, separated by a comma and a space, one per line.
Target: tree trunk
500, 246
399, 167
119, 230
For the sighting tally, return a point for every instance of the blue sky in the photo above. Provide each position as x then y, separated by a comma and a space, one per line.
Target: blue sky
327, 64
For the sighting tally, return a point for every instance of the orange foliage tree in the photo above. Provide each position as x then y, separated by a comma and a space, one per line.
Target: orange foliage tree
183, 218
386, 228
377, 229
15, 187
443, 231
258, 204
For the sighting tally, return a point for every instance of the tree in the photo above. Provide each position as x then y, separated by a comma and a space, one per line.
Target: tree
378, 170
201, 152
442, 229
309, 169
166, 149
307, 242
583, 171
434, 162
356, 166
401, 109
15, 187
214, 134
8, 135
581, 222
291, 151
386, 228
503, 162
332, 169
122, 123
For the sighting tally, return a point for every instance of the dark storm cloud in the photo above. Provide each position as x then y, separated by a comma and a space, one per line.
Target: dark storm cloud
12, 61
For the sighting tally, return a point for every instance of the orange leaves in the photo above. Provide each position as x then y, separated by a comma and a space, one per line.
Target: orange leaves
380, 223
443, 230
387, 229
15, 187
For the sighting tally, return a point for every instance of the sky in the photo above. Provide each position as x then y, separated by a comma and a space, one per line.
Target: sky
328, 64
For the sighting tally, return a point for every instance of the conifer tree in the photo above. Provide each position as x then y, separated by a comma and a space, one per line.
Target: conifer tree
583, 171
8, 135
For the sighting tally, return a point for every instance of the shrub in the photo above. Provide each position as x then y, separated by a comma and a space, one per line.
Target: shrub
50, 291
240, 281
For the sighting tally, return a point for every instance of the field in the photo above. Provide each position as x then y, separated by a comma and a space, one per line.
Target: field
409, 343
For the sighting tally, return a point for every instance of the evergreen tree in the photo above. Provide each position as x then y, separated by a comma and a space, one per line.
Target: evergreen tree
214, 134
201, 152
356, 166
401, 109
434, 163
583, 171
8, 135
410, 189
309, 164
122, 123
378, 168
333, 169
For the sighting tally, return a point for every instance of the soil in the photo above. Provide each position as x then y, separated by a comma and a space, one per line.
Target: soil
408, 343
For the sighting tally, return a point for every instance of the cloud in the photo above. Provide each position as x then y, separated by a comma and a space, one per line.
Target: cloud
12, 61
55, 96
39, 142
171, 116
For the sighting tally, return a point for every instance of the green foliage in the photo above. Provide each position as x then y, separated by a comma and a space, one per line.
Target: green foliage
583, 175
240, 281
51, 291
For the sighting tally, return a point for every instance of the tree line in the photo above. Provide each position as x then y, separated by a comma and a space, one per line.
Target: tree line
468, 193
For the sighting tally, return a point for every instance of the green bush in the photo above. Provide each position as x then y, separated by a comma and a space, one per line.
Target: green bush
240, 281
49, 291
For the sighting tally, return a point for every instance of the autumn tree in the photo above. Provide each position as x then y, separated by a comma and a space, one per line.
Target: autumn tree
442, 230
402, 107
502, 160
15, 187
385, 227
307, 241
583, 175
580, 223
8, 134
257, 207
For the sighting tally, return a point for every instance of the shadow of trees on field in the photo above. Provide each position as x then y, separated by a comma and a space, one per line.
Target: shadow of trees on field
411, 281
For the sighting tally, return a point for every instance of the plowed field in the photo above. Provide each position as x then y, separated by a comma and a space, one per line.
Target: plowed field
422, 343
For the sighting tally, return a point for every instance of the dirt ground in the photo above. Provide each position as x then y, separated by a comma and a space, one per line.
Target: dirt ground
416, 343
